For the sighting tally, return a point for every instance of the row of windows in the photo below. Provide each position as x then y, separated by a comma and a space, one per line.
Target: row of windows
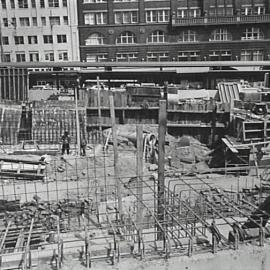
34, 39
159, 15
105, 1
221, 10
33, 21
33, 3
159, 36
215, 55
35, 57
127, 17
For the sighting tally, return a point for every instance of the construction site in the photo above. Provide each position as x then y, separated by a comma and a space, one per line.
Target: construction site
170, 177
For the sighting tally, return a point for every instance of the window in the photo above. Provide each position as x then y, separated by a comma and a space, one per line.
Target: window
221, 10
191, 12
252, 55
33, 3
246, 55
63, 56
246, 10
5, 22
95, 39
32, 40
23, 3
126, 38
157, 37
95, 18
43, 21
33, 56
42, 3
157, 16
61, 39
47, 39
18, 40
14, 22
12, 3
157, 56
5, 41
220, 35
258, 55
6, 57
125, 0
53, 3
49, 56
92, 58
64, 2
126, 57
4, 4
24, 21
220, 55
189, 56
34, 21
95, 1
126, 17
188, 36
226, 55
252, 33
65, 18
54, 20
182, 13
20, 57
259, 10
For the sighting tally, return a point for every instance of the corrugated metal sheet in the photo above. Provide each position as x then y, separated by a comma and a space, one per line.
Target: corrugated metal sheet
228, 92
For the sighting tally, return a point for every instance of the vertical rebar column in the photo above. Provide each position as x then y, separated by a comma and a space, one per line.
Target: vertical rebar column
115, 152
139, 133
162, 123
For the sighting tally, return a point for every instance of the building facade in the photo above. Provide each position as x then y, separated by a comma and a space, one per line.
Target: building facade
174, 30
38, 30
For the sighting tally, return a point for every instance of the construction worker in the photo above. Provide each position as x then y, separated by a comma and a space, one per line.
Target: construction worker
83, 147
65, 143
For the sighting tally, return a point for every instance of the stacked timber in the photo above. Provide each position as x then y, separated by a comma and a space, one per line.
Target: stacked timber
21, 167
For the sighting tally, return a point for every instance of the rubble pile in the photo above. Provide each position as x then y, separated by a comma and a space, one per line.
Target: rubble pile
45, 214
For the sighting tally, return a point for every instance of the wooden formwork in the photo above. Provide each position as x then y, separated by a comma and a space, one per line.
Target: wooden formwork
251, 130
10, 120
50, 122
14, 84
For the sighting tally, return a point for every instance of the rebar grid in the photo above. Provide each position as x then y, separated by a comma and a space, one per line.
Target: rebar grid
90, 218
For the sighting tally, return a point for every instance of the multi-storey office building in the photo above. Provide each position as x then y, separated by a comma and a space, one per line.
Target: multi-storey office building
38, 30
174, 30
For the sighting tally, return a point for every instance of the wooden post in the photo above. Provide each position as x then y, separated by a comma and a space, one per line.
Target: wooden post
99, 108
162, 122
77, 119
265, 130
139, 131
266, 80
116, 166
255, 160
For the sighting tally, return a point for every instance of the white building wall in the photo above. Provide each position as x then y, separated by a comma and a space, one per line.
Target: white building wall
71, 30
